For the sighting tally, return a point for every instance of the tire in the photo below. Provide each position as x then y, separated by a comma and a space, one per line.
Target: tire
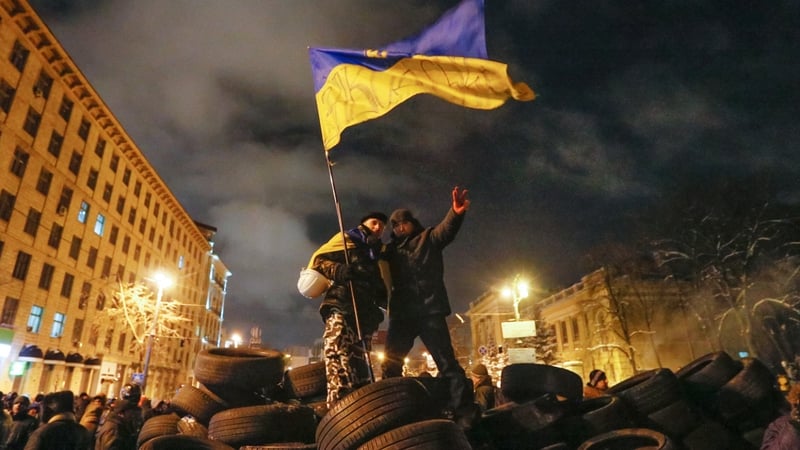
190, 427
713, 436
595, 416
263, 424
749, 399
436, 434
199, 403
244, 368
675, 420
524, 382
183, 442
648, 391
237, 398
629, 438
156, 426
373, 410
306, 381
703, 377
519, 426
281, 446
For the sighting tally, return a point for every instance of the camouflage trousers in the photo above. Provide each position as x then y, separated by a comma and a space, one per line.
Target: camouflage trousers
345, 363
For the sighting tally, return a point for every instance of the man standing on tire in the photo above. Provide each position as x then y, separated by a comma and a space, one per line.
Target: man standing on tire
346, 358
419, 303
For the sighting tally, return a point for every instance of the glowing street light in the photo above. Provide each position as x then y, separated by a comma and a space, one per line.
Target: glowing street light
518, 291
163, 282
237, 340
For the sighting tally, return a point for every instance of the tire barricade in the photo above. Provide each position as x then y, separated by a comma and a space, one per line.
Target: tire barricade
247, 400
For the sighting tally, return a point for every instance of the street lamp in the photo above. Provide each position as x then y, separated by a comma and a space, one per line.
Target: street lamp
163, 282
237, 340
518, 291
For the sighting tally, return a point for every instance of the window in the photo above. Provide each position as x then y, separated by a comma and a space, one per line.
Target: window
7, 201
47, 276
156, 209
114, 163
32, 222
564, 334
142, 225
107, 191
91, 259
56, 141
43, 85
126, 177
94, 334
65, 110
109, 337
21, 266
99, 224
59, 319
9, 311
147, 198
101, 301
64, 201
132, 216
83, 214
147, 260
35, 318
83, 300
164, 219
32, 121
75, 162
120, 272
126, 244
6, 96
19, 56
55, 235
100, 148
137, 252
160, 241
20, 162
66, 285
75, 247
152, 234
121, 342
92, 180
44, 181
137, 188
106, 267
112, 237
120, 204
77, 330
83, 129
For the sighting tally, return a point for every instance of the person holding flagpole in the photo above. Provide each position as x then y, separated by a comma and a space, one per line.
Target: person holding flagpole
419, 302
351, 306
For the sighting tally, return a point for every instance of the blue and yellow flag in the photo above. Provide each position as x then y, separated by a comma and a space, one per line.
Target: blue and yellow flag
447, 60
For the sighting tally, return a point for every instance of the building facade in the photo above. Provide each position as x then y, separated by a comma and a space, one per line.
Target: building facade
590, 335
81, 210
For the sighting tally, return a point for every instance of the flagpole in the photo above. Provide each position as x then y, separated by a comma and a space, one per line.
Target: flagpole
347, 261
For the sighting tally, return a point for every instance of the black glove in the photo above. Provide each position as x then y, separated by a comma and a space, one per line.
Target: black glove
352, 271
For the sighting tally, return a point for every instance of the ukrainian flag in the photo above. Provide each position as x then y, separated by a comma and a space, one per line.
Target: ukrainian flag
448, 60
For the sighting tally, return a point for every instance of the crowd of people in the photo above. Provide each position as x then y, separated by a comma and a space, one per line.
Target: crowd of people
65, 421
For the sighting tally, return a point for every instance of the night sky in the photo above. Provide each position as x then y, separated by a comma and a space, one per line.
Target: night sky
635, 100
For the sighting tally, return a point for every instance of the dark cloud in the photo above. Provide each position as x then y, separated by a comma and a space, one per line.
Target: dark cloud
635, 99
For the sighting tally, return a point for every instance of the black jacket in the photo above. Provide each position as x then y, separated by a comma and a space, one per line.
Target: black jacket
62, 432
416, 263
370, 290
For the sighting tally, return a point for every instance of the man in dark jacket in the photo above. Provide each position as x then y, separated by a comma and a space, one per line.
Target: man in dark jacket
419, 303
23, 424
59, 429
121, 427
346, 356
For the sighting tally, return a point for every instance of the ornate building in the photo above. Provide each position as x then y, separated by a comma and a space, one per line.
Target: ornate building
81, 209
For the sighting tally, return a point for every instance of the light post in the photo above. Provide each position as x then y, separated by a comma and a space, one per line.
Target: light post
163, 282
237, 340
518, 291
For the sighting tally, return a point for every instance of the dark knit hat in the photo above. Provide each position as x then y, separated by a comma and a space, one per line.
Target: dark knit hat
374, 215
60, 402
23, 400
480, 370
401, 215
596, 376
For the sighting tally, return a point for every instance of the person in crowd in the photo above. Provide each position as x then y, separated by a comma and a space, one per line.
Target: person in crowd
59, 429
91, 416
81, 402
483, 387
5, 425
357, 282
121, 427
784, 432
419, 303
22, 425
597, 384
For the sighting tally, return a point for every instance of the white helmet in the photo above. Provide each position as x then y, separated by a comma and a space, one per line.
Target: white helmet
312, 284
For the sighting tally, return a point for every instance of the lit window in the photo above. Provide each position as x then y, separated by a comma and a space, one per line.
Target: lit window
83, 214
100, 224
59, 319
35, 319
